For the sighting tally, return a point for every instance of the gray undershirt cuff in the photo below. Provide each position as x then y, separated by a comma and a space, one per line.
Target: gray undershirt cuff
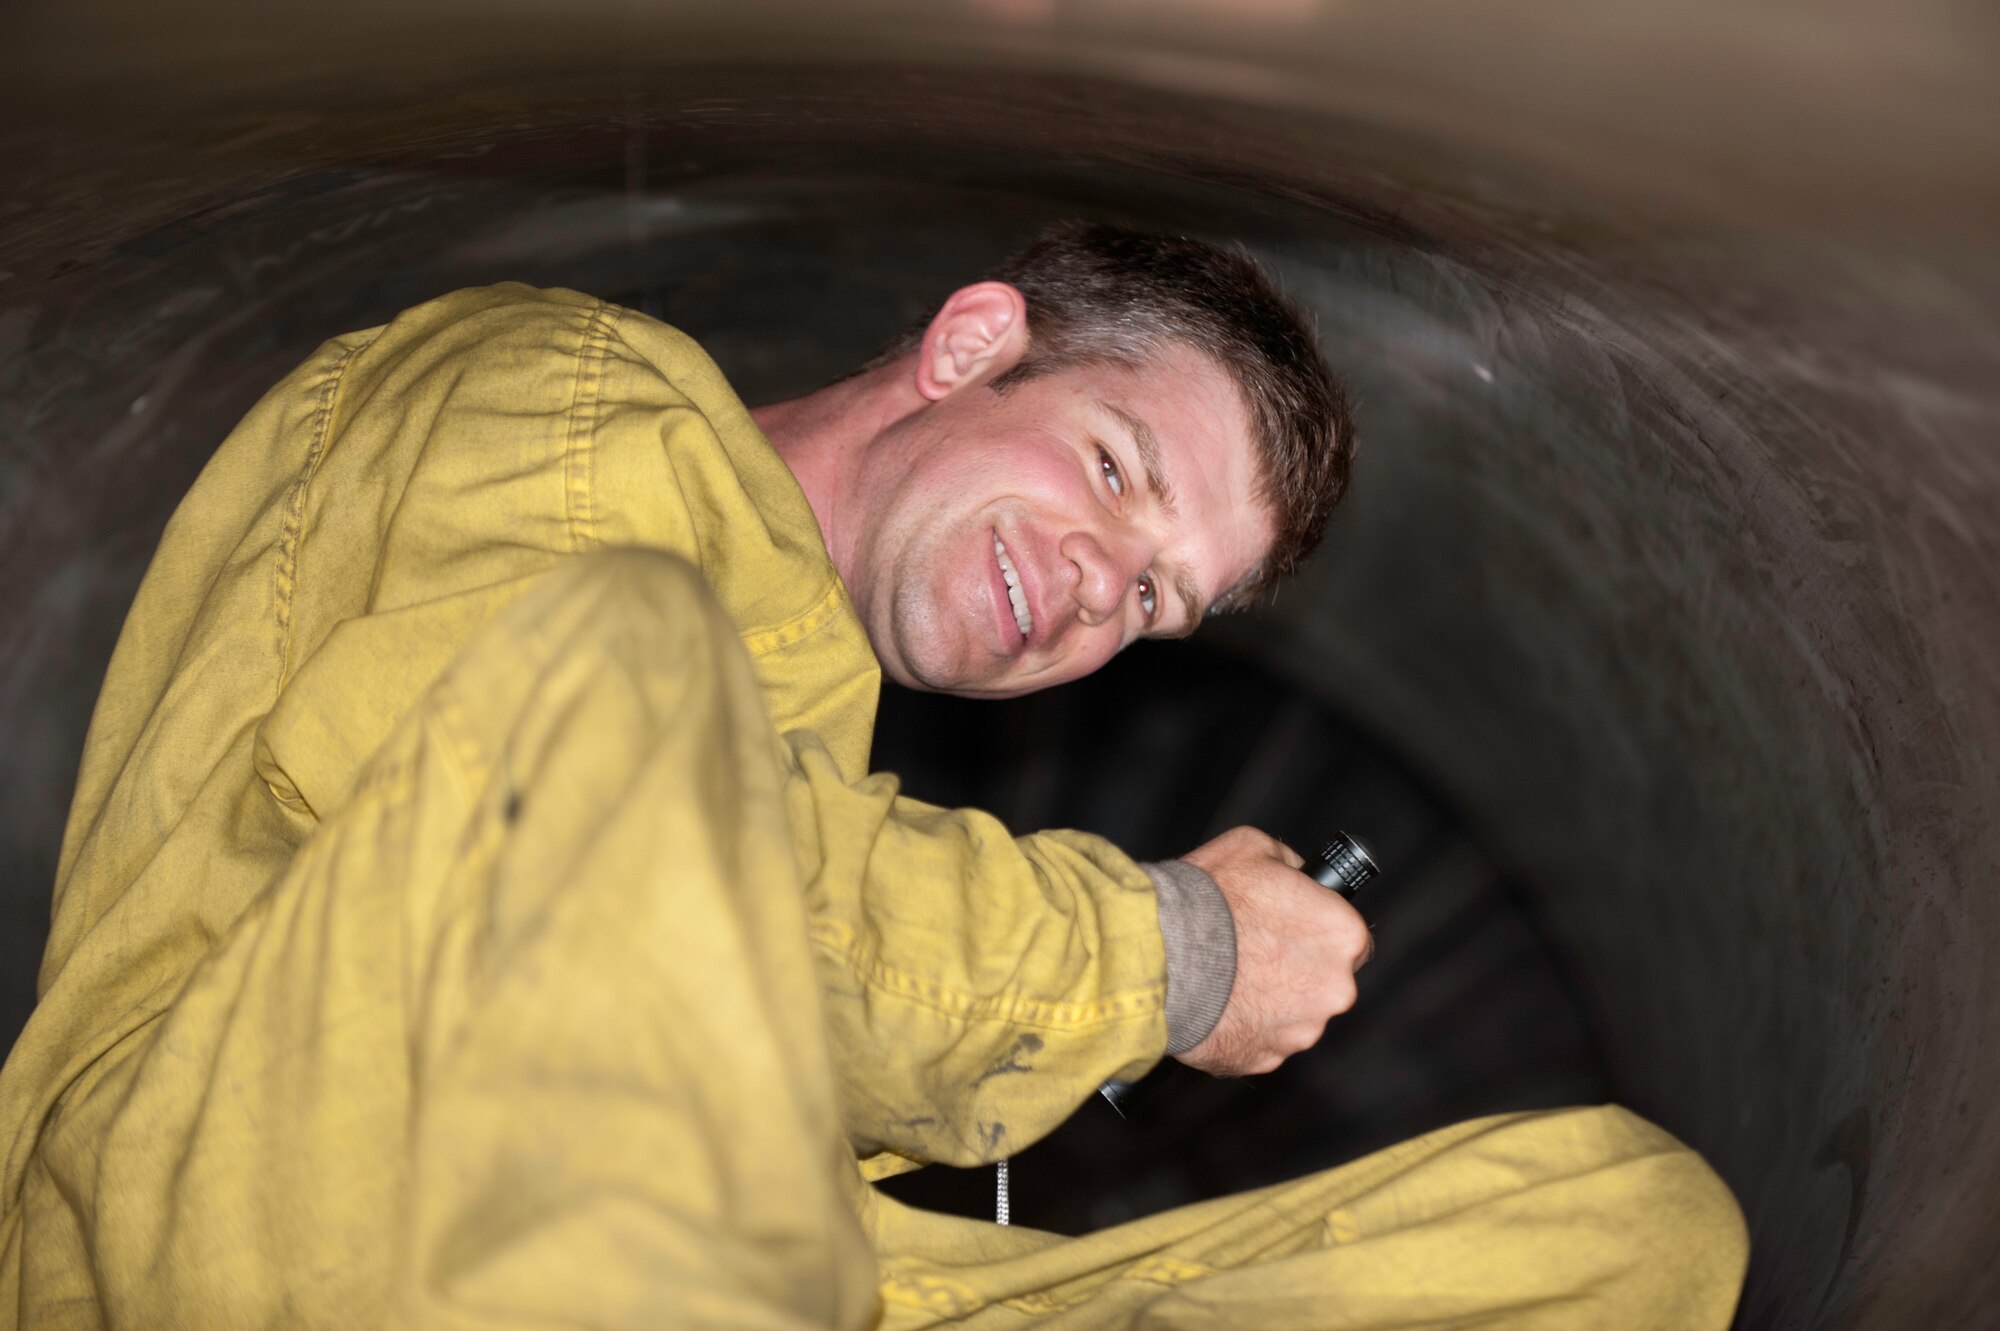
1201, 950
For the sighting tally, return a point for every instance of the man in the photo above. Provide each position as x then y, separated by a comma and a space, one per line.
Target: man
476, 910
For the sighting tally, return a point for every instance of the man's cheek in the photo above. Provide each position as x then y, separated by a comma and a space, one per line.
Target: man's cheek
1084, 658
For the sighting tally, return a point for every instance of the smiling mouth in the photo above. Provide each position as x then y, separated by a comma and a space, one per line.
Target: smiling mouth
1015, 596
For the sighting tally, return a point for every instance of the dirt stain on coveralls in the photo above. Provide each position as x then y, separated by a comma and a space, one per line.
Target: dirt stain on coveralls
1012, 1060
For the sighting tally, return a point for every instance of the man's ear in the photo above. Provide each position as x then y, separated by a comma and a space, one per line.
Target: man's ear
979, 335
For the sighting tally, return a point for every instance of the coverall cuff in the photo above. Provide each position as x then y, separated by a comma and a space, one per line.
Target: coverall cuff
1200, 941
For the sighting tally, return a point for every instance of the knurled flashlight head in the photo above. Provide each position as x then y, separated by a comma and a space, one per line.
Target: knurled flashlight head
1342, 864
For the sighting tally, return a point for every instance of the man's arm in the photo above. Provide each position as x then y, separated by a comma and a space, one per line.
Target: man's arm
979, 986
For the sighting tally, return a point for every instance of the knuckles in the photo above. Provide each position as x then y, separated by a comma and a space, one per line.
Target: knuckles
1240, 843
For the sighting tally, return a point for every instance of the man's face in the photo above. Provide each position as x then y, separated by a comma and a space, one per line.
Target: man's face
1017, 540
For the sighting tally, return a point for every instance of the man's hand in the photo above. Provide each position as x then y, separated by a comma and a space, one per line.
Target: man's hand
1298, 946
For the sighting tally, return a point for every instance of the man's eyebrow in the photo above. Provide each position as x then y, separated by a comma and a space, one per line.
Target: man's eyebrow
1149, 457
1190, 600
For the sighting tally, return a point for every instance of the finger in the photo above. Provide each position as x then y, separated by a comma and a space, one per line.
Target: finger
1354, 930
1301, 1036
1318, 1033
1292, 859
1340, 995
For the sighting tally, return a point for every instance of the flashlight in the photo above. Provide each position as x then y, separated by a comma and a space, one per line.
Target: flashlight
1342, 865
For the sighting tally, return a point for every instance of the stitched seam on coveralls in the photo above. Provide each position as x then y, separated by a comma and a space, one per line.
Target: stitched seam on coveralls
838, 938
1155, 1270
1164, 1270
285, 575
585, 390
933, 1294
800, 626
1040, 1304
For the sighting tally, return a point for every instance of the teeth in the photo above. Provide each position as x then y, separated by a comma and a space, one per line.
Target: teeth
1015, 596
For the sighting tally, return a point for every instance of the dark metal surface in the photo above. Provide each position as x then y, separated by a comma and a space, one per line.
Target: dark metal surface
1677, 344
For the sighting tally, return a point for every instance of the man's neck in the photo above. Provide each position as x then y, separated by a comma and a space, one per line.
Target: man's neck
823, 436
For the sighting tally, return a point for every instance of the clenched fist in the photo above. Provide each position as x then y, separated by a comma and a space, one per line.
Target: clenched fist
1298, 946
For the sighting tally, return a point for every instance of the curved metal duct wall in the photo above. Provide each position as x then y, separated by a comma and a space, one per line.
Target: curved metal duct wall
1673, 554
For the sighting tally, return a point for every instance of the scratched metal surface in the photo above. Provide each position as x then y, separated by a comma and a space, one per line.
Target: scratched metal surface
1672, 564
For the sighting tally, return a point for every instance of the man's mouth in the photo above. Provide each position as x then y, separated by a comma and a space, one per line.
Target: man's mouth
1017, 598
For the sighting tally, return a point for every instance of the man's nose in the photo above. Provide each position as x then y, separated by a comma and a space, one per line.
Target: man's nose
1102, 575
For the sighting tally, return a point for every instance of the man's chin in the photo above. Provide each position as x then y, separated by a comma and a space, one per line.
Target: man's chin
990, 678
952, 678
959, 678
912, 667
932, 662
921, 662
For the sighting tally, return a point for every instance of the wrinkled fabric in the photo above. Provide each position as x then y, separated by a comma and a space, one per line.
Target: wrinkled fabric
475, 911
1199, 936
1563, 1220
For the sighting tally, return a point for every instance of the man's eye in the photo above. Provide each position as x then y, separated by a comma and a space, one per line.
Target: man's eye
1112, 476
1149, 599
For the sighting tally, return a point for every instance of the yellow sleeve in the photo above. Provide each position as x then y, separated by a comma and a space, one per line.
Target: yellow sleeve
978, 986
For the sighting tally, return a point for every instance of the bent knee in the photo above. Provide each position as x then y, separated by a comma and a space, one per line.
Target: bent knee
647, 575
622, 622
613, 593
1679, 1187
1689, 1243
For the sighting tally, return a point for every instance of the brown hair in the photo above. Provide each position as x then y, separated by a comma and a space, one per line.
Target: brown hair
1108, 294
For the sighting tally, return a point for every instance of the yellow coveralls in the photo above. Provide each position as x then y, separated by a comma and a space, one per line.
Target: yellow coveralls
475, 912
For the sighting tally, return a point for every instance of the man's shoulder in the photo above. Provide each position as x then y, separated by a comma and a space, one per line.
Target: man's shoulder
504, 308
563, 340
640, 432
505, 312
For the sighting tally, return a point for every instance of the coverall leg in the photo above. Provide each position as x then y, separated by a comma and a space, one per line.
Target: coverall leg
527, 1035
1586, 1219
